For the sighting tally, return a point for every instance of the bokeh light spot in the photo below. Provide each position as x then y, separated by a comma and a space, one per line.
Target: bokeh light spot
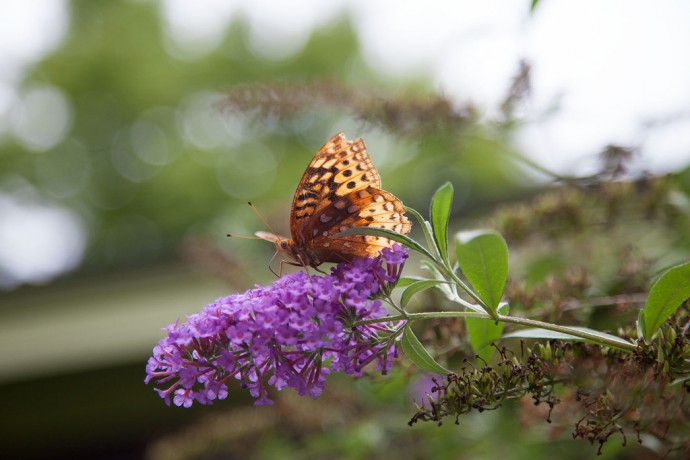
39, 241
247, 171
42, 118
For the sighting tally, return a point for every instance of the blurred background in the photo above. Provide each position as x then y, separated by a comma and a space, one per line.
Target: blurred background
133, 133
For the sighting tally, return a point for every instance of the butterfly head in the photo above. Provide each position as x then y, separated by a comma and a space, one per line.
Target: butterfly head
300, 256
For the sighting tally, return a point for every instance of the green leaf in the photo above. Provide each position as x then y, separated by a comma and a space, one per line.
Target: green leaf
416, 353
533, 6
538, 333
416, 287
426, 226
444, 287
641, 333
483, 258
440, 212
428, 265
483, 331
667, 294
407, 280
384, 232
679, 380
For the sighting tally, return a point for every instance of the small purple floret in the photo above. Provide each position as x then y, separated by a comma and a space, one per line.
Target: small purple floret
293, 333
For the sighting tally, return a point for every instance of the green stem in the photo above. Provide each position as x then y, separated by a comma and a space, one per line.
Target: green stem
570, 331
510, 319
536, 166
472, 294
448, 271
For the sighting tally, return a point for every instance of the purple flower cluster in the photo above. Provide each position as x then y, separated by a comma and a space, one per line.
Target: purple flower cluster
293, 333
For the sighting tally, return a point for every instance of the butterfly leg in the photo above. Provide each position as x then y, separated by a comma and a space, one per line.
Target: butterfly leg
273, 271
282, 262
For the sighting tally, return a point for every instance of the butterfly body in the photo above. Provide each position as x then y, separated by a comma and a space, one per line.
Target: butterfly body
340, 189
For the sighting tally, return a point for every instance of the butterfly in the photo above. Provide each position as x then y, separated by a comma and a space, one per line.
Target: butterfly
340, 189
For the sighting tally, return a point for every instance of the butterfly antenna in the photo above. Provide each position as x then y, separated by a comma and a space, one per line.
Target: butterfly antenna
234, 235
256, 211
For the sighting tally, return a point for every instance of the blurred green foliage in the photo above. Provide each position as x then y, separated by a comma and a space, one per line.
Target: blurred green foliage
156, 156
162, 154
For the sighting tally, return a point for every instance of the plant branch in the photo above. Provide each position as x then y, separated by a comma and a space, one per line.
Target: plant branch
592, 337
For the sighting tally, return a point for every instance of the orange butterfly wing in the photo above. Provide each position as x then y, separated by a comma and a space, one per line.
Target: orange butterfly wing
341, 189
336, 164
369, 207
